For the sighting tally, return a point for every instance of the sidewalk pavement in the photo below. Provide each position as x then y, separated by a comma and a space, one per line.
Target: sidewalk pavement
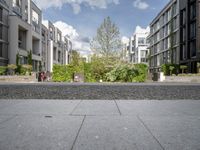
99, 125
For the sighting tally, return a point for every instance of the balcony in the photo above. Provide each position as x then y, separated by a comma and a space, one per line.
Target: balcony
17, 9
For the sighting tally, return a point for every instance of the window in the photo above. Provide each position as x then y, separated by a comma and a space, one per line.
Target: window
141, 41
1, 14
144, 60
59, 56
54, 54
35, 17
192, 11
193, 30
193, 48
17, 3
1, 50
51, 33
143, 54
183, 52
183, 17
174, 9
59, 37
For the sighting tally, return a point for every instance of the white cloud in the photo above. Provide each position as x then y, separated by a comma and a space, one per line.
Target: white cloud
125, 40
140, 4
44, 4
80, 44
67, 29
139, 29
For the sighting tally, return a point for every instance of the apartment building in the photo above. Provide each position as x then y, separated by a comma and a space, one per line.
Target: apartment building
138, 46
58, 46
25, 23
164, 37
67, 49
22, 31
45, 46
125, 51
4, 11
190, 34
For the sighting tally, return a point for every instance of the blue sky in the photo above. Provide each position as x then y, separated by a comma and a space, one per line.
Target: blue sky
84, 16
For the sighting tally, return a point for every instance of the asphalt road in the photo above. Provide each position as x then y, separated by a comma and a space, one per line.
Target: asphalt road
153, 91
99, 125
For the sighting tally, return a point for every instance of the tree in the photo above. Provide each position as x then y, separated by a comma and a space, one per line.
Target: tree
107, 42
30, 61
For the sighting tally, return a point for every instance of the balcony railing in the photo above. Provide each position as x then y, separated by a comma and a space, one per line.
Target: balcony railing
35, 27
17, 9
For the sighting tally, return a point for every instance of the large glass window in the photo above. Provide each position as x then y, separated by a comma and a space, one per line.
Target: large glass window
192, 30
193, 48
141, 41
192, 11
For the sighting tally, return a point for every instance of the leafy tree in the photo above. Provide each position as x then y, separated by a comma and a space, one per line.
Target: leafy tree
107, 42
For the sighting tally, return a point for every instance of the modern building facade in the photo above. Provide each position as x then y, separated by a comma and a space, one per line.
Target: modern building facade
125, 51
22, 32
4, 12
138, 46
175, 36
25, 22
190, 34
58, 46
164, 37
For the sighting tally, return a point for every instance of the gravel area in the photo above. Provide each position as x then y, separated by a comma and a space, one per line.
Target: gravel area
153, 91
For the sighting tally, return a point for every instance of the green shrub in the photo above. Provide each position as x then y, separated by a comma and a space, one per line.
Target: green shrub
62, 73
3, 70
88, 73
183, 68
24, 69
11, 69
169, 69
128, 73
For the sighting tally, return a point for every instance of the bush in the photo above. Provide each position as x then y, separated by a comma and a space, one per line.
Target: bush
62, 73
169, 69
128, 73
88, 73
183, 68
141, 73
24, 69
11, 69
3, 70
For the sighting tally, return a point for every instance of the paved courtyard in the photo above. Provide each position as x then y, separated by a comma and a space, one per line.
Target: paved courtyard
99, 125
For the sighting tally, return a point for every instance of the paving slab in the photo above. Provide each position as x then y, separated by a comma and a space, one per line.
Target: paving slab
40, 107
96, 107
155, 107
39, 133
8, 103
175, 132
114, 133
4, 118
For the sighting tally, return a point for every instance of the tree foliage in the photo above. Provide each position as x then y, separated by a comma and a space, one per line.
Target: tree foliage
107, 42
